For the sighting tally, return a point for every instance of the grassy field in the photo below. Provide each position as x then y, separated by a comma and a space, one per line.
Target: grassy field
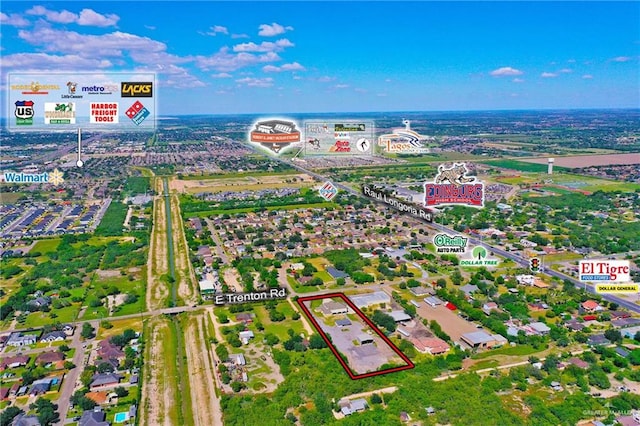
436, 158
119, 326
46, 246
63, 315
519, 165
239, 174
9, 197
507, 350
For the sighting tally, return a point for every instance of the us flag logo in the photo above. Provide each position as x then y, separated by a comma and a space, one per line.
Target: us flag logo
328, 191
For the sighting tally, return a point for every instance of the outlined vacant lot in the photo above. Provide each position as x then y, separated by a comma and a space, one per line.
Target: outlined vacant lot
359, 359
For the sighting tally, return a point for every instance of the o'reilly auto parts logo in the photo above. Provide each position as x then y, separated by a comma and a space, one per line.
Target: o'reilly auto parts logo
447, 244
614, 271
136, 89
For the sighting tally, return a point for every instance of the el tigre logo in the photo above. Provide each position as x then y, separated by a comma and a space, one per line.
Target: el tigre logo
136, 89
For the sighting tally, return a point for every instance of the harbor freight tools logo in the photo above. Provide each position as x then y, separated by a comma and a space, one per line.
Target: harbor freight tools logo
103, 112
136, 90
59, 113
613, 271
403, 141
56, 177
137, 113
447, 244
480, 258
275, 134
328, 191
35, 88
399, 205
453, 186
24, 113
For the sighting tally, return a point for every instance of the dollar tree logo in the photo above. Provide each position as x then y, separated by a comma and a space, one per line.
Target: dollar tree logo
479, 253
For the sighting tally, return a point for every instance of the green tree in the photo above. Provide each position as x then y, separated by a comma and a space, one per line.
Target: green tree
87, 331
6, 417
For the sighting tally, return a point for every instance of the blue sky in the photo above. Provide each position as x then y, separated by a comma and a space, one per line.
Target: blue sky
280, 57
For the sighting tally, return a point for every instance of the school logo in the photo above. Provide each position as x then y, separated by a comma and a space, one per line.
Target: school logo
136, 89
275, 134
403, 141
24, 113
328, 191
453, 186
137, 113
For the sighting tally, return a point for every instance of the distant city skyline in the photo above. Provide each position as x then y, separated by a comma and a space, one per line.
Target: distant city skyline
306, 57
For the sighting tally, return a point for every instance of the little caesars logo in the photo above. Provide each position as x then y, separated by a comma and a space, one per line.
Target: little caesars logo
447, 244
460, 189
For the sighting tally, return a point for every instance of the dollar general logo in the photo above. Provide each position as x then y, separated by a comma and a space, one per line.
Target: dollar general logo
136, 89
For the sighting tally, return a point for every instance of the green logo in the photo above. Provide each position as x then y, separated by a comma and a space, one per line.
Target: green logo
479, 253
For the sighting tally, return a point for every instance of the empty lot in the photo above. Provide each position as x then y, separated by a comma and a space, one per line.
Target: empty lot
451, 323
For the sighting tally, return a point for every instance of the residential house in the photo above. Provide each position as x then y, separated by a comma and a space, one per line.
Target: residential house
54, 336
18, 339
349, 407
107, 350
482, 339
597, 340
540, 328
574, 325
103, 380
578, 363
14, 362
399, 316
49, 357
433, 301
490, 306
245, 336
237, 359
95, 417
430, 345
39, 302
4, 393
468, 290
591, 306
24, 420
68, 329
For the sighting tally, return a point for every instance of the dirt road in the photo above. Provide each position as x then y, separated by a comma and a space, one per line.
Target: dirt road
205, 404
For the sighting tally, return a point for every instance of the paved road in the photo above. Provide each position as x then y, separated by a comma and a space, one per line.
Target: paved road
70, 380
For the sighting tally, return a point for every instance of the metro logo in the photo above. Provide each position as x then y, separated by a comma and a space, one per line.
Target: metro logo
136, 89
604, 270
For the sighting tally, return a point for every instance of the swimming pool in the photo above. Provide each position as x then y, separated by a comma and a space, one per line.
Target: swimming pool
121, 417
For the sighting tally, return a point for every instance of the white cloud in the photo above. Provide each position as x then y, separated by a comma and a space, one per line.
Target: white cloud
621, 59
221, 75
571, 61
565, 71
239, 36
381, 95
548, 75
265, 46
256, 82
294, 66
587, 76
274, 29
225, 61
297, 77
217, 29
505, 71
150, 27
87, 17
92, 18
45, 62
341, 86
326, 79
13, 20
517, 80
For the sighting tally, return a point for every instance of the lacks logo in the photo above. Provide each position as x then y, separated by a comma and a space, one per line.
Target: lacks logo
275, 134
24, 113
137, 113
136, 90
460, 189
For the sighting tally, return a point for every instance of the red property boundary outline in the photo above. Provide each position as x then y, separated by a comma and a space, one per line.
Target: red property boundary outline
346, 367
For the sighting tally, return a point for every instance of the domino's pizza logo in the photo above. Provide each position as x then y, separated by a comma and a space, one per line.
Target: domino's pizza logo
137, 113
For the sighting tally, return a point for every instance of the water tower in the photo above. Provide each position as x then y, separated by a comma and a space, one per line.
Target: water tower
550, 166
